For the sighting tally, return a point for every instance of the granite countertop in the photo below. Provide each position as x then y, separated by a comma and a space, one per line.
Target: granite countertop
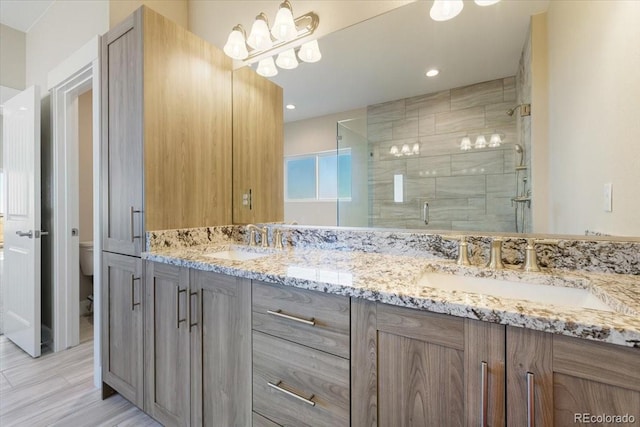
394, 279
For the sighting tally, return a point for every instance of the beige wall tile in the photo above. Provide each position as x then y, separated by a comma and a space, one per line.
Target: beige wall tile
477, 162
484, 93
459, 186
463, 119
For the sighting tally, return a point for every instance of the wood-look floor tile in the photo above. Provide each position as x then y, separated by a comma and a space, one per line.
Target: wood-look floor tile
5, 385
21, 396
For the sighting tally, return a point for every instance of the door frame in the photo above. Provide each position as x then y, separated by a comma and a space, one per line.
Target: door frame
76, 75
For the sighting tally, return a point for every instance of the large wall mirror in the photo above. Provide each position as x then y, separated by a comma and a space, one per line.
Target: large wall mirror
454, 151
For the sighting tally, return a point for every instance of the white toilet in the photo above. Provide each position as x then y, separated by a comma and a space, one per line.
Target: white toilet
86, 258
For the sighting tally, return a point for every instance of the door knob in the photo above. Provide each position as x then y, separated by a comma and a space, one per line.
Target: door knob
28, 234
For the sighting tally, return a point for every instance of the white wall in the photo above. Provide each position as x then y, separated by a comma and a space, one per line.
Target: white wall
64, 28
311, 136
12, 57
594, 95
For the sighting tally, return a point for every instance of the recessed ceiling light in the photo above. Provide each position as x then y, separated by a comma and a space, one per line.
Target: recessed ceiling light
433, 72
291, 107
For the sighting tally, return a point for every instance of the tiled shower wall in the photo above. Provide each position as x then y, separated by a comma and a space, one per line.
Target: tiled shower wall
523, 127
469, 190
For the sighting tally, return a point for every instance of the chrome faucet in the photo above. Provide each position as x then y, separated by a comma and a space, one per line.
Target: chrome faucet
264, 239
495, 254
277, 239
530, 256
463, 249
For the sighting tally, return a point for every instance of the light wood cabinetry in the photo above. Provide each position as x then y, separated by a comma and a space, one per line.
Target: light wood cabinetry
197, 347
300, 357
410, 367
122, 364
557, 380
258, 149
166, 131
166, 344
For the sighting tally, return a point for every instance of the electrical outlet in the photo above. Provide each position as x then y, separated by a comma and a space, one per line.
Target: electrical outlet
607, 200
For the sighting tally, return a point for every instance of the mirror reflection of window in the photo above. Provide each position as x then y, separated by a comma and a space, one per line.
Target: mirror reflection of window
324, 176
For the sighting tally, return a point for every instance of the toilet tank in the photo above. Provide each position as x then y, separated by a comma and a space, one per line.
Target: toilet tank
86, 258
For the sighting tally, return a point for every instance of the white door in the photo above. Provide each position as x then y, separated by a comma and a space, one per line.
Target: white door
21, 154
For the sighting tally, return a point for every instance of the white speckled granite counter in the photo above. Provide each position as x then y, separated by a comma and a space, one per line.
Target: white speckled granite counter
393, 279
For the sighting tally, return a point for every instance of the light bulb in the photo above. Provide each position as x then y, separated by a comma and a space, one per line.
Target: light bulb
486, 2
284, 27
393, 150
416, 148
236, 46
287, 60
481, 142
405, 150
267, 68
465, 143
310, 52
495, 140
260, 37
443, 10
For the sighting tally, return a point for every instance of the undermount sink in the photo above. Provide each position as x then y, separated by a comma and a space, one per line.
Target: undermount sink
236, 255
545, 294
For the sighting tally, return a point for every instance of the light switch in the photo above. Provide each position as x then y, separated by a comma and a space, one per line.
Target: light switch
608, 197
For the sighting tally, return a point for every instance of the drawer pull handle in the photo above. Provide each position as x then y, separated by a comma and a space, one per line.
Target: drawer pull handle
484, 397
292, 394
279, 313
531, 404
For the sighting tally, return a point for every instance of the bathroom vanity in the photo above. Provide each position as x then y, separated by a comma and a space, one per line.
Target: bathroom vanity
314, 336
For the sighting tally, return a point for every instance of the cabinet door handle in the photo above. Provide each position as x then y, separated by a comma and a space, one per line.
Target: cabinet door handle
132, 211
291, 394
531, 407
279, 313
178, 319
484, 396
191, 322
425, 213
133, 303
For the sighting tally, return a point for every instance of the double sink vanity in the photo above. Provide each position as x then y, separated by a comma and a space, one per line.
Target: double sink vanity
374, 328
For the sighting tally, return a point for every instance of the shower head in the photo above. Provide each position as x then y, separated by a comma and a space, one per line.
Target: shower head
525, 110
520, 151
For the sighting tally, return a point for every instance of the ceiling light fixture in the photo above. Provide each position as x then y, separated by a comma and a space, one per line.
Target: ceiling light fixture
486, 2
443, 10
433, 72
284, 38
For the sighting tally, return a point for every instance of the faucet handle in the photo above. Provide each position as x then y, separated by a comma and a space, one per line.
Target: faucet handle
463, 249
252, 238
277, 239
495, 254
530, 256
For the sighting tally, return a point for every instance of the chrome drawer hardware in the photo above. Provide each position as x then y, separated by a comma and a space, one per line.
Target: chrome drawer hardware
191, 322
484, 397
292, 394
132, 211
178, 319
531, 409
279, 313
133, 303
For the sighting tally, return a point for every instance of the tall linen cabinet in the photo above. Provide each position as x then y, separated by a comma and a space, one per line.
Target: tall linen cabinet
166, 163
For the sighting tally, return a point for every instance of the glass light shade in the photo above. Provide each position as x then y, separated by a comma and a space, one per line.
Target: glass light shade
260, 37
236, 47
443, 10
405, 150
495, 140
267, 68
287, 60
393, 150
310, 52
416, 148
284, 27
481, 142
486, 2
465, 143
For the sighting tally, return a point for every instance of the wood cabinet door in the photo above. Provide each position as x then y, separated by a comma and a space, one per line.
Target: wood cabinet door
414, 368
166, 343
558, 380
122, 325
121, 141
220, 350
258, 149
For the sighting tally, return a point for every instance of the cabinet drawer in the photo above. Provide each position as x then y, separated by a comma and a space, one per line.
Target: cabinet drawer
314, 319
283, 370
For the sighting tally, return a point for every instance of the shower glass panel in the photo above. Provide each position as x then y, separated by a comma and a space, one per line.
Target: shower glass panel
352, 173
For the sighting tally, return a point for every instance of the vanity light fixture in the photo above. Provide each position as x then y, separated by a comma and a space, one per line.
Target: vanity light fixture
267, 68
432, 72
495, 140
481, 142
465, 144
290, 107
405, 150
443, 10
486, 2
286, 32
